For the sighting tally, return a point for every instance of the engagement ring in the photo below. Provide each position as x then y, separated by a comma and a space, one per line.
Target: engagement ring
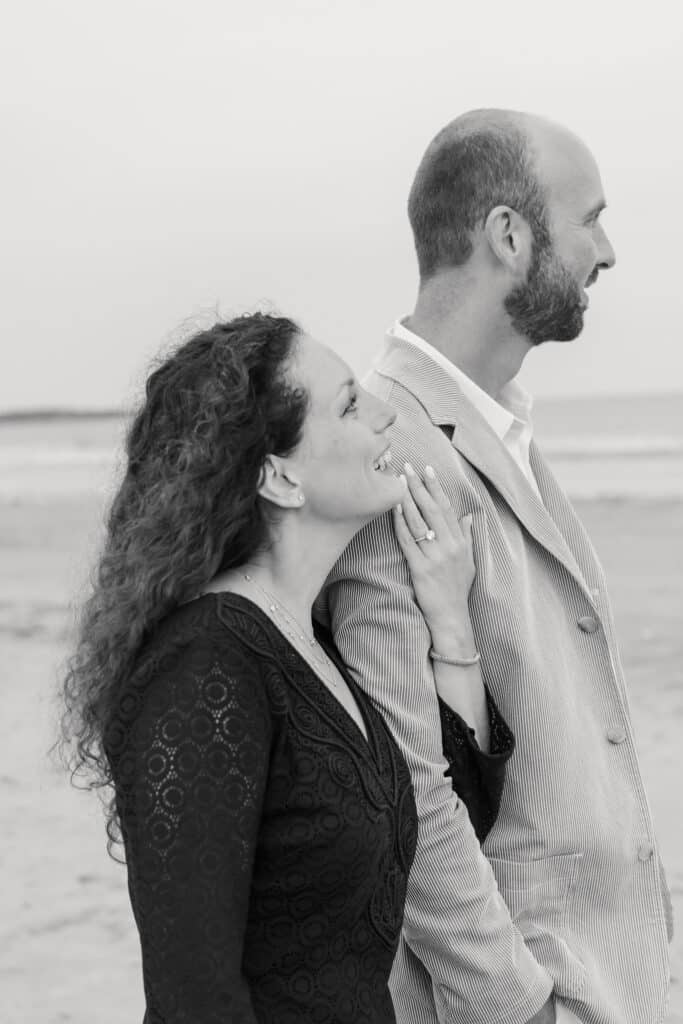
429, 535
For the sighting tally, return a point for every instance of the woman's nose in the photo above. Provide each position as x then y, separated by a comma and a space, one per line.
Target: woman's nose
386, 416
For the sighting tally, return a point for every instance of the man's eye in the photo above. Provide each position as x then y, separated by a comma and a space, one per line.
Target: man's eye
352, 406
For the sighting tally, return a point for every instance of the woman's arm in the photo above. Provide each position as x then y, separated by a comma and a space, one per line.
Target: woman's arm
442, 572
198, 766
477, 742
460, 685
477, 776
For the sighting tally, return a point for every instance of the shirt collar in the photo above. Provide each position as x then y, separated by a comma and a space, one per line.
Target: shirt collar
501, 416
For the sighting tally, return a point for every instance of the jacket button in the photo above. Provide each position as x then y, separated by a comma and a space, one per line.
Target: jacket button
645, 851
587, 623
616, 734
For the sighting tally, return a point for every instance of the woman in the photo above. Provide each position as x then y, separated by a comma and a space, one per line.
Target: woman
267, 815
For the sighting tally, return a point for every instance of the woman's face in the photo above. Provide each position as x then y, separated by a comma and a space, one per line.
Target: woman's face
342, 461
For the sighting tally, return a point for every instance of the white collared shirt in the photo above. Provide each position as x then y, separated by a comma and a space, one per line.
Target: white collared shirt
509, 418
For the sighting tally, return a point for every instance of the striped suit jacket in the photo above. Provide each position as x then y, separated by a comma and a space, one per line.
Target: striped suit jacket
567, 893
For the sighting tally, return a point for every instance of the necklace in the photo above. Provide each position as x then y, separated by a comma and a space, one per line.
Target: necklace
276, 607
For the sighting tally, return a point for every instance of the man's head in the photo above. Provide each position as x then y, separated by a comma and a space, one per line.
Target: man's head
516, 199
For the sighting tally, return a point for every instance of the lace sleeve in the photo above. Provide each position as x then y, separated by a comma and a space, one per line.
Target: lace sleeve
191, 806
478, 777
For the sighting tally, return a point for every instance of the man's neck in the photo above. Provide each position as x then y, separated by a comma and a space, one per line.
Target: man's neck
473, 338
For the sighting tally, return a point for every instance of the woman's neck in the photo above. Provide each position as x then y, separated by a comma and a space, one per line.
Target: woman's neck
292, 570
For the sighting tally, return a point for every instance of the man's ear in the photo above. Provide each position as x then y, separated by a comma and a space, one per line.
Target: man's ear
278, 484
509, 239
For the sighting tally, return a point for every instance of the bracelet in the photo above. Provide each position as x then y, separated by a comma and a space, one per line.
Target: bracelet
462, 662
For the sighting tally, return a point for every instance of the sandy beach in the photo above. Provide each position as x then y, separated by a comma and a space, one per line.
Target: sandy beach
69, 948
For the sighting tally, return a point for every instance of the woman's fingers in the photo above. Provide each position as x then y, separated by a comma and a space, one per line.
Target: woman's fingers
411, 512
427, 507
433, 485
466, 527
404, 536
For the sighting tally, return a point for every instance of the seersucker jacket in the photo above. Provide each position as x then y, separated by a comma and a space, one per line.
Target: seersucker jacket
567, 893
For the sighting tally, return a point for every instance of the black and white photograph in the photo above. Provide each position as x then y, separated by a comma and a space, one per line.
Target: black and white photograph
341, 513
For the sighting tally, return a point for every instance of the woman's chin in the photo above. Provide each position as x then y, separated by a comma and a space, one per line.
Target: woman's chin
390, 493
375, 500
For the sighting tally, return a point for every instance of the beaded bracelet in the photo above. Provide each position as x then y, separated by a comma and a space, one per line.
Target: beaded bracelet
462, 662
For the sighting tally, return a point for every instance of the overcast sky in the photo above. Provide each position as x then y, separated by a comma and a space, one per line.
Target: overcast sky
163, 160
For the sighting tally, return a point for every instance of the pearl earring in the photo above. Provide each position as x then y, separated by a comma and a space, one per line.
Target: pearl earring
301, 498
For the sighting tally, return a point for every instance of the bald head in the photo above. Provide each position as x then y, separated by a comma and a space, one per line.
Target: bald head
564, 166
484, 159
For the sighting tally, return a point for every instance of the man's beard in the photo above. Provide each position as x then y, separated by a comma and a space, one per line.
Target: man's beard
549, 305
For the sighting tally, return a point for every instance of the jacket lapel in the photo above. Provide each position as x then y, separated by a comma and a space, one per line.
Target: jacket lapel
446, 405
562, 512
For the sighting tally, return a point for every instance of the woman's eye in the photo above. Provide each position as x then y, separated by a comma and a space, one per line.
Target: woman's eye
352, 406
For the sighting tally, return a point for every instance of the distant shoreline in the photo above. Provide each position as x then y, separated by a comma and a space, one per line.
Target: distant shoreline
47, 414
42, 415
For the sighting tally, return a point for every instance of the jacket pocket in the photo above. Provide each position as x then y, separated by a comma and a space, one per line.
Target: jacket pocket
536, 893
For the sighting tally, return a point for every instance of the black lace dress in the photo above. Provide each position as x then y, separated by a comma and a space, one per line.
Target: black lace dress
268, 843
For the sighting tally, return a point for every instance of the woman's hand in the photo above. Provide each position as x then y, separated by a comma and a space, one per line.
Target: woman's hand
438, 550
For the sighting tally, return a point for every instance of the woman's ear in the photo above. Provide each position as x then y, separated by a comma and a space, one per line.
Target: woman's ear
278, 484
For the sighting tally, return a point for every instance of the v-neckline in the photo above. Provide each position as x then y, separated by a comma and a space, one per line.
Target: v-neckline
369, 743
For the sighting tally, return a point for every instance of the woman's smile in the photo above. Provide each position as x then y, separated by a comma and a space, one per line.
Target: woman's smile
382, 463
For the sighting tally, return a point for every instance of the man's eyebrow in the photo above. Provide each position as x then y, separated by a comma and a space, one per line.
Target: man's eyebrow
596, 210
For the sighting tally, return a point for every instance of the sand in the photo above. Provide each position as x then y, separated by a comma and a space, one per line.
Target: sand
68, 944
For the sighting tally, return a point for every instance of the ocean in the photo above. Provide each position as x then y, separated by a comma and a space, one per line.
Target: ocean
613, 447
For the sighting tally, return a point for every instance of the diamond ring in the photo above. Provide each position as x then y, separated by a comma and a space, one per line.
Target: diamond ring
429, 535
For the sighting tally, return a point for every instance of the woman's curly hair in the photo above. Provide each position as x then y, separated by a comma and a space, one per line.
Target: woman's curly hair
186, 509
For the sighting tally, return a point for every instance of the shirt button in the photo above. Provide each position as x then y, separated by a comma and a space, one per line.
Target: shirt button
616, 734
645, 851
587, 623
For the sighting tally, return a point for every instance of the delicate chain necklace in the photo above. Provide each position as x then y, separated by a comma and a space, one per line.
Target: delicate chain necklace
276, 606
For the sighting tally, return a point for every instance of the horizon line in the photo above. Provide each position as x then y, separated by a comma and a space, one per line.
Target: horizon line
111, 412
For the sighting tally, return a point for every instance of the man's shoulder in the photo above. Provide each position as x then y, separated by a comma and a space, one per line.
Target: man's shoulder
411, 412
378, 382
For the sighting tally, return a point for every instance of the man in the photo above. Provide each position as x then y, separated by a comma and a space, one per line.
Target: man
563, 914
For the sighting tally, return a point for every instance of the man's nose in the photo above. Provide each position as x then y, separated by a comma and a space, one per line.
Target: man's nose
606, 257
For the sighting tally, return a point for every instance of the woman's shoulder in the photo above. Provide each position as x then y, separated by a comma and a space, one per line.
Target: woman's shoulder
202, 663
221, 623
217, 644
